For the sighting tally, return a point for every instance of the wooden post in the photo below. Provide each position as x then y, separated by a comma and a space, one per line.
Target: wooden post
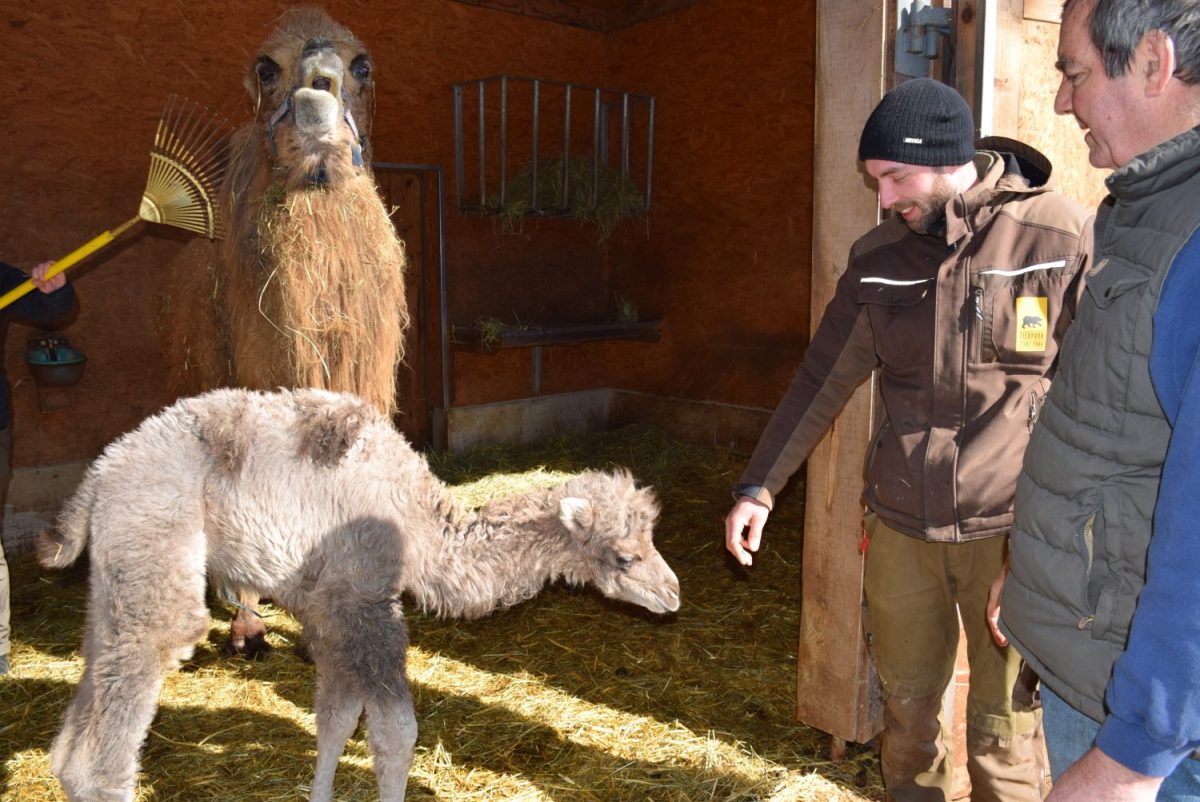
837, 690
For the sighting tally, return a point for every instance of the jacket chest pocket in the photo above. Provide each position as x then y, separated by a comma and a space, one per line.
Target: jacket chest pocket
901, 314
1017, 312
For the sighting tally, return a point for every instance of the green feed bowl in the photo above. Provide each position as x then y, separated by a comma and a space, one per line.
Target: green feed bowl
55, 367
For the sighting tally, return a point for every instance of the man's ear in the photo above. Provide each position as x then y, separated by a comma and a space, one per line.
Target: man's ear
1156, 58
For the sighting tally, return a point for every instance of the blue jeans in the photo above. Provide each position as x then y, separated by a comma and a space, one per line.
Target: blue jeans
1070, 733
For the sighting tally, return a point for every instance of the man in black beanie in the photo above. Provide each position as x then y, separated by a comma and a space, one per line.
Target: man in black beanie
959, 300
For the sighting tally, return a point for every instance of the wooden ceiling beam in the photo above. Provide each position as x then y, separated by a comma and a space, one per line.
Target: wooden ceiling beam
596, 15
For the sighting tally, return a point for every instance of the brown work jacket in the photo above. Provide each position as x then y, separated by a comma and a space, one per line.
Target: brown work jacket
964, 330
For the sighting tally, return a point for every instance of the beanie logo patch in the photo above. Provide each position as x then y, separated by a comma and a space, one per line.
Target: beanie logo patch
913, 140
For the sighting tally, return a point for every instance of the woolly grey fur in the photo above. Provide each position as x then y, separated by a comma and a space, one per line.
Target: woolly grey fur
313, 499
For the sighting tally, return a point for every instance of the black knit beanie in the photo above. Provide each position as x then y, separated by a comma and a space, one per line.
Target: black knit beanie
921, 121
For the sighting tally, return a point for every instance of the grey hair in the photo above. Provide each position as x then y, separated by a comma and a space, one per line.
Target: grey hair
1119, 25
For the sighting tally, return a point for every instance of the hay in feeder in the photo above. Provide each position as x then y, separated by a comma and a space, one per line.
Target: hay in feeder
568, 697
596, 194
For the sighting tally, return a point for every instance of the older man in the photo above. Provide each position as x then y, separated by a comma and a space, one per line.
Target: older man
1102, 599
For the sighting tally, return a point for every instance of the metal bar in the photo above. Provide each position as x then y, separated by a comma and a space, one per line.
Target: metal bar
596, 148
533, 170
443, 304
443, 295
566, 157
503, 139
482, 152
625, 135
459, 156
649, 155
549, 82
536, 360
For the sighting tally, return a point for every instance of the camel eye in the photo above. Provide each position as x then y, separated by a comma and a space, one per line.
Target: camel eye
360, 68
268, 71
626, 561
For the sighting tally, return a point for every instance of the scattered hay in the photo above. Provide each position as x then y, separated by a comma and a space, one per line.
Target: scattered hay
566, 698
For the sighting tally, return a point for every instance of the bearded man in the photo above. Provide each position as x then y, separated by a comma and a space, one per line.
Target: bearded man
959, 300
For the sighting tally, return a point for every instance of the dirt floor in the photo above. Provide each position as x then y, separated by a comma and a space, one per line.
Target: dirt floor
566, 697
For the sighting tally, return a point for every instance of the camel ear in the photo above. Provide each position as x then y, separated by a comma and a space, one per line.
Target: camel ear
575, 513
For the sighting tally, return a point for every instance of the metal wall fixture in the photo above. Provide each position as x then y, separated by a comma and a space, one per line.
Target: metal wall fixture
519, 148
921, 27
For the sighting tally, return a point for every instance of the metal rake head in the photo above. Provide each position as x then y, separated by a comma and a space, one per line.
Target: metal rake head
187, 164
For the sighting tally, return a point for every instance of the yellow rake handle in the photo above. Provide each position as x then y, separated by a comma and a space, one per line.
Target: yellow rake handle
70, 259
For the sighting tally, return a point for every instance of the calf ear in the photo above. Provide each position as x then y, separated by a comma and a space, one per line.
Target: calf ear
575, 513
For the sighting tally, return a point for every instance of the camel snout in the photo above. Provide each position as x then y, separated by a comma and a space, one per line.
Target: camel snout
317, 113
657, 589
323, 71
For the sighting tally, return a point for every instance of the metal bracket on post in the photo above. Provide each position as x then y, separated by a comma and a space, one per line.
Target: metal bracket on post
920, 27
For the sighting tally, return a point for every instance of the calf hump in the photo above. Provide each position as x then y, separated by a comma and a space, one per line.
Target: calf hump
328, 429
224, 429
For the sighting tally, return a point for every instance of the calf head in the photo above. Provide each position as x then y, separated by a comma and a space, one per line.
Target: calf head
612, 521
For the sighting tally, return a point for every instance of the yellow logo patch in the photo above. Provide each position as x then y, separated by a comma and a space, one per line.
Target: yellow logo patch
1031, 323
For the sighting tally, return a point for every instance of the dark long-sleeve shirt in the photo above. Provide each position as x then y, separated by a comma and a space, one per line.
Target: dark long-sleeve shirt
33, 307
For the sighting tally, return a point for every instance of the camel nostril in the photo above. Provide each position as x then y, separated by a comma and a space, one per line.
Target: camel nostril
322, 83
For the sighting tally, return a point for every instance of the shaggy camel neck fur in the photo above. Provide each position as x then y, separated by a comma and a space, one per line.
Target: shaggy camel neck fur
307, 289
314, 499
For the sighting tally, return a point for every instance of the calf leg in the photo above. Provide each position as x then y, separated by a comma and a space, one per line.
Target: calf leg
392, 733
144, 617
359, 649
338, 707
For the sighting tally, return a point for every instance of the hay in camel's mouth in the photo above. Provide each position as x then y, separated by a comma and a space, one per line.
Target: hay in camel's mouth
569, 697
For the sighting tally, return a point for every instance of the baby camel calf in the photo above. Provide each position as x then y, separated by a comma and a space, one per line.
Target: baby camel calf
313, 499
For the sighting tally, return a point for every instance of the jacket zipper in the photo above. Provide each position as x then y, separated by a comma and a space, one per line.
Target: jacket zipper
977, 329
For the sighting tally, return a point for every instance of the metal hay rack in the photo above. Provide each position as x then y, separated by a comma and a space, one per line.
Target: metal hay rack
537, 147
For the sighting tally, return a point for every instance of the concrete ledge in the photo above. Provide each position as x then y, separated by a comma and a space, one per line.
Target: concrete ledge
527, 420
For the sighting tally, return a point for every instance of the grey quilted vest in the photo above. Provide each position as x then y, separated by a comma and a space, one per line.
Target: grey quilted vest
1085, 498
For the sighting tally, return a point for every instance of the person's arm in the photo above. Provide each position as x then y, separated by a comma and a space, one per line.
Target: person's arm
1096, 776
839, 358
993, 605
54, 299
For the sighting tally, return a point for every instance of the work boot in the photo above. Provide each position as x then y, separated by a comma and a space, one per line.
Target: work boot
1007, 768
916, 762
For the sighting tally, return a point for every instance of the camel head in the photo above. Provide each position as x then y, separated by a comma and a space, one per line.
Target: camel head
314, 99
611, 520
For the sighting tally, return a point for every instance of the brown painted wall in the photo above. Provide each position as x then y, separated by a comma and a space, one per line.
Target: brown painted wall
724, 260
729, 257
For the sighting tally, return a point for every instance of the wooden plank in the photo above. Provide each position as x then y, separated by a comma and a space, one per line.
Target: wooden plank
596, 15
1006, 89
1043, 10
1056, 136
968, 49
836, 688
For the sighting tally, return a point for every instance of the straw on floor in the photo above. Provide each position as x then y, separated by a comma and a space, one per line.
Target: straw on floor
568, 697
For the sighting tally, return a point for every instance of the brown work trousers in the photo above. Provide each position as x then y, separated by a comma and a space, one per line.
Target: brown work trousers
915, 594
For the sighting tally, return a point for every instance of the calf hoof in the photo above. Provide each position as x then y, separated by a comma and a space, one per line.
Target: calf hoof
254, 647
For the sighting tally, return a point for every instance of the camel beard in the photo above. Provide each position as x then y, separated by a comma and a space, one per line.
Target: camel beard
333, 289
